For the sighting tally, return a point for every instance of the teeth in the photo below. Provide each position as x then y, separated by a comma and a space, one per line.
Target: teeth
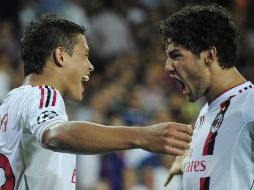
85, 78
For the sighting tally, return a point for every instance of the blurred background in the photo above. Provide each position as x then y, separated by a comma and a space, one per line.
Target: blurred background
129, 85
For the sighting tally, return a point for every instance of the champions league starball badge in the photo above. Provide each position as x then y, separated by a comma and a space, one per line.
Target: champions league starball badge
45, 116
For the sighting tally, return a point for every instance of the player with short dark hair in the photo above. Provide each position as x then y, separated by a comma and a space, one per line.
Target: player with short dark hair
36, 138
202, 44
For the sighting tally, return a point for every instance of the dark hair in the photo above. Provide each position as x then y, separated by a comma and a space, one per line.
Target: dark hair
200, 27
42, 36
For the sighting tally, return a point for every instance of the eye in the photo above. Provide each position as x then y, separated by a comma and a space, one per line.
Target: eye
175, 55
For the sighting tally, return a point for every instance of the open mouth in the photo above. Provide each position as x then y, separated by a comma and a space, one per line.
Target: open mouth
183, 86
85, 78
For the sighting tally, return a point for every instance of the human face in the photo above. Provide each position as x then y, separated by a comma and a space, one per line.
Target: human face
77, 69
188, 69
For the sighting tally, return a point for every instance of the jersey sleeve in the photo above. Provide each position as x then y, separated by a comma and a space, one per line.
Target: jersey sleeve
248, 108
45, 106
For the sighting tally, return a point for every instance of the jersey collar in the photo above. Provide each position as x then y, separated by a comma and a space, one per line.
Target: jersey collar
239, 89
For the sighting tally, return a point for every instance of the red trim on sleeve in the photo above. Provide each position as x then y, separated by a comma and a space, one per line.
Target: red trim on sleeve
54, 97
42, 97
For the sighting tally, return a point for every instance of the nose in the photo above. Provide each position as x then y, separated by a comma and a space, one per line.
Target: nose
91, 67
169, 65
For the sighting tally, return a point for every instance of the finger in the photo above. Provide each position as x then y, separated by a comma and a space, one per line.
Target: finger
178, 143
169, 178
184, 128
174, 150
182, 136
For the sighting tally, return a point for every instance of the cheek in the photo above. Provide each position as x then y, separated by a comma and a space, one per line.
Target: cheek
202, 82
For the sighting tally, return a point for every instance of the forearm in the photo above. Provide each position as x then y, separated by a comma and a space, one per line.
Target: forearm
90, 138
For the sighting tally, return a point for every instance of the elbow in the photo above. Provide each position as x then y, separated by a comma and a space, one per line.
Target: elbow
51, 139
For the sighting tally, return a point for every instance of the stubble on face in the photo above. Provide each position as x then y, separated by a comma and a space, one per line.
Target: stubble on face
190, 70
198, 81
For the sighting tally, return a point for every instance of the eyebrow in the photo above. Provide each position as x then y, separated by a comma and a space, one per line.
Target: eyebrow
173, 51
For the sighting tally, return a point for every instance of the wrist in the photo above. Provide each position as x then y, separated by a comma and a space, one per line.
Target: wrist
137, 137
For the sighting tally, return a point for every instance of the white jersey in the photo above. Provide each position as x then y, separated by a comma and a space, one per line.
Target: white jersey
221, 154
24, 164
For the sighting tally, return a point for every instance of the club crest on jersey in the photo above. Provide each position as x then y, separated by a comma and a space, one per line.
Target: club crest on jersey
220, 116
217, 122
45, 116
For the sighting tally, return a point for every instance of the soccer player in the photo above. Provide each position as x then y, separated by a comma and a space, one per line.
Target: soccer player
202, 44
36, 138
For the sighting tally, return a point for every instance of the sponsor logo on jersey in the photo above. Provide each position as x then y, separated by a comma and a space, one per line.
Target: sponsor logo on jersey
45, 116
195, 166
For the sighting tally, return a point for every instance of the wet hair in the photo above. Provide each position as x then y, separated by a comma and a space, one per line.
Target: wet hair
199, 27
42, 36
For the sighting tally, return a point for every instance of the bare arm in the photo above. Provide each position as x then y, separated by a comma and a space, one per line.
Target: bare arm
91, 138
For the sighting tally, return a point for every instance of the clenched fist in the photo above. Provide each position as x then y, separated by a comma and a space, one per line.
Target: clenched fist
167, 138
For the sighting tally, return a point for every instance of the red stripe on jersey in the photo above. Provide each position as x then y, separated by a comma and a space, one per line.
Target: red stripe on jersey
223, 105
204, 183
210, 139
54, 97
42, 97
209, 144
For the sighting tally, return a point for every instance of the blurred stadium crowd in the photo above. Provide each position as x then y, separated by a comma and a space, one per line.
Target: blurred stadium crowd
129, 85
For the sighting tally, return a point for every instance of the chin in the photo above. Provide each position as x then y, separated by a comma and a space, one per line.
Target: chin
74, 98
79, 98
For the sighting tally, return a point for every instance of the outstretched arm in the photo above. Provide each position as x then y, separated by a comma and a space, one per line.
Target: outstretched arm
91, 138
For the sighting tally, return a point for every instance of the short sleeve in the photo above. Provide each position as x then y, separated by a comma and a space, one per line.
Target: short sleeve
45, 106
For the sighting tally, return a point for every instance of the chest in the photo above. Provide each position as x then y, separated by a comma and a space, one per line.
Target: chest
216, 132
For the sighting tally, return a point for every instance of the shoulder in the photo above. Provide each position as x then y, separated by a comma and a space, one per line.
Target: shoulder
246, 102
39, 99
43, 96
47, 96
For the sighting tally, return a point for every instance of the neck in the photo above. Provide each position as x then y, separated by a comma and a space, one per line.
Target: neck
43, 79
224, 80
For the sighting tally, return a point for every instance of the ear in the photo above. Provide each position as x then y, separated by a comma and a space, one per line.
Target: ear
58, 56
211, 55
